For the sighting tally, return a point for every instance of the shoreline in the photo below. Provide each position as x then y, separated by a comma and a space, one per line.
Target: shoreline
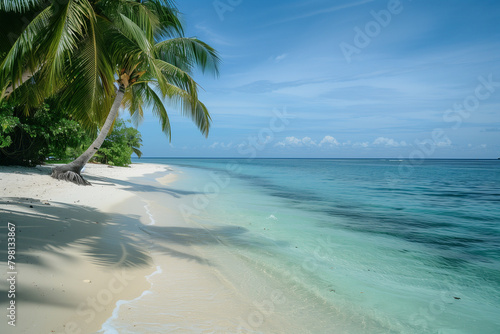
202, 279
76, 255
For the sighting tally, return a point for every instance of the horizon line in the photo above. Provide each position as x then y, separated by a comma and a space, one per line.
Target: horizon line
324, 158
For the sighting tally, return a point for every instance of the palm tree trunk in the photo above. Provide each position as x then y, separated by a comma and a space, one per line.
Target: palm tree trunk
71, 172
25, 77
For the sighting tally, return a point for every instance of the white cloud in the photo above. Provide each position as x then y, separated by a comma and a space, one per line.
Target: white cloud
307, 141
446, 143
267, 140
214, 37
289, 141
280, 57
221, 145
383, 141
329, 140
363, 144
426, 143
293, 141
296, 142
322, 11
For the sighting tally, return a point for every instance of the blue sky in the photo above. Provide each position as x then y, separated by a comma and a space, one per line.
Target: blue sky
343, 79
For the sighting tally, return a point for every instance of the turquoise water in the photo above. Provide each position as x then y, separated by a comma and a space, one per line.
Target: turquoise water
374, 246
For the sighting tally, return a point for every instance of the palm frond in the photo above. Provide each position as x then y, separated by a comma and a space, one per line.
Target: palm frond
137, 151
14, 23
189, 52
23, 55
149, 97
122, 51
142, 16
167, 74
31, 93
68, 27
47, 43
168, 16
133, 100
19, 6
89, 84
192, 108
133, 32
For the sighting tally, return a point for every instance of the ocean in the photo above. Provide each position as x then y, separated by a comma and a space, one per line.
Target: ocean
324, 246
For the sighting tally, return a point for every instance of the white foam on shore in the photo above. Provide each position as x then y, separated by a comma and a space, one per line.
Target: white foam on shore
107, 327
158, 271
151, 218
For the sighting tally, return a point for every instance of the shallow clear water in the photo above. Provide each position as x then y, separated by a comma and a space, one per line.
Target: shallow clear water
375, 246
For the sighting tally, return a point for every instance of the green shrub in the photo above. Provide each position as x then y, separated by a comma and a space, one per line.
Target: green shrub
119, 146
49, 133
30, 139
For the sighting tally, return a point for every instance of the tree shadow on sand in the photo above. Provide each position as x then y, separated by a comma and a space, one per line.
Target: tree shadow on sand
139, 187
233, 238
106, 240
44, 226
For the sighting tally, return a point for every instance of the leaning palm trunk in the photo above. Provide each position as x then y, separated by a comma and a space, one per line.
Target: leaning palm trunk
71, 172
25, 77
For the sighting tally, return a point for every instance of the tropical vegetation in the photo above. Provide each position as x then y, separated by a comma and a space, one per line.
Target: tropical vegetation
119, 145
48, 134
30, 140
98, 56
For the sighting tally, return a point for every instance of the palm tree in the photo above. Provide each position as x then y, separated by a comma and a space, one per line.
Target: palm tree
36, 63
141, 58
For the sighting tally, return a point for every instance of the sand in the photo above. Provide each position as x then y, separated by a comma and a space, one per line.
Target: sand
75, 255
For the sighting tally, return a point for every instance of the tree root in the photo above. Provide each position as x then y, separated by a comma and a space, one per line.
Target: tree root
68, 175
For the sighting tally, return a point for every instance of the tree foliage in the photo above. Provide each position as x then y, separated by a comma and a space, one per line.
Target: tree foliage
50, 133
119, 145
98, 56
29, 140
78, 48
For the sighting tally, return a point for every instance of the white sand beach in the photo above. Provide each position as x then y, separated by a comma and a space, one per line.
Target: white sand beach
75, 256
